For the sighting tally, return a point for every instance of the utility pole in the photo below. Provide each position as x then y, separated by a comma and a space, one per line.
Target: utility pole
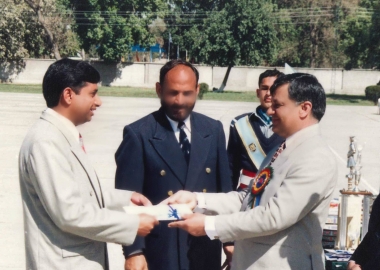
170, 41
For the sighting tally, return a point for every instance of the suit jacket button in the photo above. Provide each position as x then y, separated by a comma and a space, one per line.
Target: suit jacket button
208, 170
204, 190
91, 193
163, 173
170, 192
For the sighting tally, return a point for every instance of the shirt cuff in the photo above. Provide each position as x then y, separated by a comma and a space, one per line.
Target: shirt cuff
210, 227
133, 253
201, 201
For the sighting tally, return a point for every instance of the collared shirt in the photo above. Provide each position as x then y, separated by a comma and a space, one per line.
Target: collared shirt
65, 122
175, 128
266, 124
210, 220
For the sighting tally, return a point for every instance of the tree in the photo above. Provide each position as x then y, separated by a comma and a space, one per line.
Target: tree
50, 24
240, 33
156, 28
115, 25
12, 30
374, 37
311, 34
355, 41
50, 20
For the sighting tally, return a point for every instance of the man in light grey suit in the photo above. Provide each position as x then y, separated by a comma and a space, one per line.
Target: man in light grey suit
67, 216
277, 221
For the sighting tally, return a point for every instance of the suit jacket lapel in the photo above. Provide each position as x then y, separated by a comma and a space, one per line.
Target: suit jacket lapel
282, 158
166, 145
83, 160
200, 147
79, 154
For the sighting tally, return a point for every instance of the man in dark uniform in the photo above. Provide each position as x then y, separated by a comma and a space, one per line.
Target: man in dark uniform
169, 150
251, 135
367, 254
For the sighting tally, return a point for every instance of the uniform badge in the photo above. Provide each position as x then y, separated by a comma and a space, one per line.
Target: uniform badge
252, 147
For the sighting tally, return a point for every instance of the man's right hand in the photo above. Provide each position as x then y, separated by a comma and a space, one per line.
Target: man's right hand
353, 266
147, 223
182, 197
136, 262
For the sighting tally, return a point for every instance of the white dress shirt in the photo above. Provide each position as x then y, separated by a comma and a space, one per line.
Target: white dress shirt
66, 122
175, 128
210, 220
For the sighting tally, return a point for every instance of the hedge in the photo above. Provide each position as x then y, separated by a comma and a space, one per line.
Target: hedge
203, 89
372, 93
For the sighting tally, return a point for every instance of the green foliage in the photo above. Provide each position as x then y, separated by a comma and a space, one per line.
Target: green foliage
308, 33
372, 93
239, 33
355, 41
114, 26
302, 33
203, 89
12, 30
374, 38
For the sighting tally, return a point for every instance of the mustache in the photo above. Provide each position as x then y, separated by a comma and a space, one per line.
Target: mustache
177, 107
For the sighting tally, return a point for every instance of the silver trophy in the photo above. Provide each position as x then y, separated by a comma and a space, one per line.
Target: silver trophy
354, 164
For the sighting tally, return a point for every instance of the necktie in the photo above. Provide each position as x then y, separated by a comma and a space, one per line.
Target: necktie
81, 143
184, 141
278, 152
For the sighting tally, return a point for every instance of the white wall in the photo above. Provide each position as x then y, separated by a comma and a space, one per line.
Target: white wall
337, 81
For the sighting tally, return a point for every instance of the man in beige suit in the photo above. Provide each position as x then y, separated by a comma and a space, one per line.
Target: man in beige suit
277, 221
67, 216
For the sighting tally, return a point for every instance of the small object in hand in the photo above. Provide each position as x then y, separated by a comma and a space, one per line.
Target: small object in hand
161, 211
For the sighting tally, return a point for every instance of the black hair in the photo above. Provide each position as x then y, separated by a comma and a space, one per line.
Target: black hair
269, 73
172, 64
304, 87
67, 73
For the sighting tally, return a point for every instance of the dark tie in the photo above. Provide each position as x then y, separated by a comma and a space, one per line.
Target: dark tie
278, 152
184, 141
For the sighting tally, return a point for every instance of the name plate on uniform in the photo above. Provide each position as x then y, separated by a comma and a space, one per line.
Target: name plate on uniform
161, 211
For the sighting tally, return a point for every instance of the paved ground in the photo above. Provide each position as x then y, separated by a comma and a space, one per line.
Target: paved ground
103, 135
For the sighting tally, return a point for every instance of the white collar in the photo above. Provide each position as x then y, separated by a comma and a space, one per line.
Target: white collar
66, 122
293, 138
174, 124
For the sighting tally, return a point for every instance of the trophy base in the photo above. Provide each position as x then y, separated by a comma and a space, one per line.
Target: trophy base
355, 189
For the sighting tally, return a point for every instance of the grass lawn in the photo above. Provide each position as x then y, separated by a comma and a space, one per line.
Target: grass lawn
332, 99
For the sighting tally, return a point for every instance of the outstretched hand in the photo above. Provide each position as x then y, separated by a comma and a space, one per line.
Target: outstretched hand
194, 224
139, 199
146, 224
182, 197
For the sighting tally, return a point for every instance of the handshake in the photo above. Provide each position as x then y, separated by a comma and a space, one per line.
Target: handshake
178, 207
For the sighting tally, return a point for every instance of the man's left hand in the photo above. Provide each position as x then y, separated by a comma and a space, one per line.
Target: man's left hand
228, 251
139, 199
194, 224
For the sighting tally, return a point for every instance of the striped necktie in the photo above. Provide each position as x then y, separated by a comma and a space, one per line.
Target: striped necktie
184, 141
